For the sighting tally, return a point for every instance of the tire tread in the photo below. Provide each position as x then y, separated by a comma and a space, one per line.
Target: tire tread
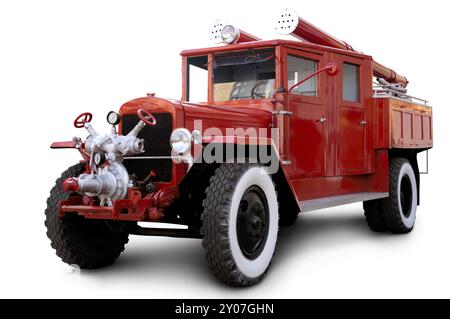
72, 249
214, 228
391, 205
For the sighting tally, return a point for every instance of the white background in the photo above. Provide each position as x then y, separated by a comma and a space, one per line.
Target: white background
61, 58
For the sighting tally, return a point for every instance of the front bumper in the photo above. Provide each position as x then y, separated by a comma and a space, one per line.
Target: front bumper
133, 208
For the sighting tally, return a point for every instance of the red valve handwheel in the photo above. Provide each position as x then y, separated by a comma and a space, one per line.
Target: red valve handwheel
146, 117
82, 119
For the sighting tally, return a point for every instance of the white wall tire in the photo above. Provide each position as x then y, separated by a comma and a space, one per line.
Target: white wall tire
400, 209
240, 223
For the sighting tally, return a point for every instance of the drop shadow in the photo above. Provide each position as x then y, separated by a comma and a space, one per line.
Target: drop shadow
147, 260
338, 227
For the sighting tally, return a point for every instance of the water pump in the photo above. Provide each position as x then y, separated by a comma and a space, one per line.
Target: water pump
109, 179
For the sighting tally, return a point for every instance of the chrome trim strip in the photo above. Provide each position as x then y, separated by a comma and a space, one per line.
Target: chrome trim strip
152, 157
282, 113
327, 202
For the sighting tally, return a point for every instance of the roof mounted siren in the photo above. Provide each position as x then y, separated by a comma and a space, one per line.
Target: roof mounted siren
289, 23
223, 33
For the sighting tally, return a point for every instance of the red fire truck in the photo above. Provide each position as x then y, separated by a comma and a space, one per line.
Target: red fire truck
264, 130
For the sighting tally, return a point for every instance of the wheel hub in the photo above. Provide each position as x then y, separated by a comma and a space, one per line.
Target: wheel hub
406, 195
252, 222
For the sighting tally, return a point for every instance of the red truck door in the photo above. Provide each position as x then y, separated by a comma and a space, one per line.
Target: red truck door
308, 123
353, 98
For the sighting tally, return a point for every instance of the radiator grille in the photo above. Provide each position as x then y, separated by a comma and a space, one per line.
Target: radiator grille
157, 143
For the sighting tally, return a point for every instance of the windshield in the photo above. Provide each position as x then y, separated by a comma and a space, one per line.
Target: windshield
244, 75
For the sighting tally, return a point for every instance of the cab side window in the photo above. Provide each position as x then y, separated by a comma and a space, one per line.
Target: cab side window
197, 79
351, 82
299, 68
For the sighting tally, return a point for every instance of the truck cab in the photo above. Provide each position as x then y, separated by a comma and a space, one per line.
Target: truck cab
263, 130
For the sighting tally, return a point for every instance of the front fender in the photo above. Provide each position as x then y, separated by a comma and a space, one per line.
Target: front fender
197, 179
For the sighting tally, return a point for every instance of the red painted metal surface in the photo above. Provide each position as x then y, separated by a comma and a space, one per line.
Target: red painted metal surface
403, 125
307, 31
305, 130
134, 208
238, 114
65, 144
320, 187
381, 71
246, 37
244, 140
266, 44
354, 138
315, 167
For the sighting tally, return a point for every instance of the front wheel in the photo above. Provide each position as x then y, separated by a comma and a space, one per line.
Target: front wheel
240, 223
87, 243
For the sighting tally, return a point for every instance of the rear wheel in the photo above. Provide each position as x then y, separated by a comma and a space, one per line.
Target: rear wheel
397, 213
373, 211
78, 241
240, 223
399, 210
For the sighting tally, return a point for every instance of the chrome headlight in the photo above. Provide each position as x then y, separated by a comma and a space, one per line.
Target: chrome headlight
229, 34
180, 141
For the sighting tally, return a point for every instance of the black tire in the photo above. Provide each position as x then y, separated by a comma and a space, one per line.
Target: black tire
78, 241
238, 246
373, 211
399, 210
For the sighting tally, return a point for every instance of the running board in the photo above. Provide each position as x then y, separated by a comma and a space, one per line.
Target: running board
164, 232
327, 202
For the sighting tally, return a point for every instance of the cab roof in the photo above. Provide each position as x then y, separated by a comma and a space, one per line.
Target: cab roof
269, 43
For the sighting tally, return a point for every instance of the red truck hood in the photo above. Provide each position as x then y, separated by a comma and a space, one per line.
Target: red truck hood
226, 116
221, 116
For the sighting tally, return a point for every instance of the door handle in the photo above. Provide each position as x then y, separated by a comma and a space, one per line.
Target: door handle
322, 120
363, 123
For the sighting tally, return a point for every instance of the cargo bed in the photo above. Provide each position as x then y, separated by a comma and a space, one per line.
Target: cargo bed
400, 123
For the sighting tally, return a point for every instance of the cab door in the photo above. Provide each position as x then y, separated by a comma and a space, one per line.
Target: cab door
352, 121
309, 119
